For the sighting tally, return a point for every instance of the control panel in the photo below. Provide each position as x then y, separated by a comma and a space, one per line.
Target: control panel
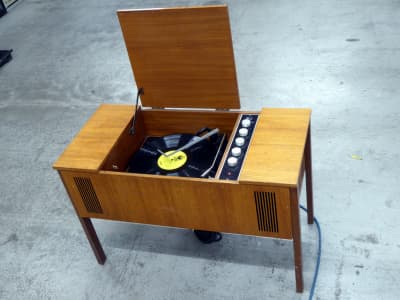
238, 148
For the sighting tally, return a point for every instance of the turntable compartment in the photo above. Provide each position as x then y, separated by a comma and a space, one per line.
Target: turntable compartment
160, 122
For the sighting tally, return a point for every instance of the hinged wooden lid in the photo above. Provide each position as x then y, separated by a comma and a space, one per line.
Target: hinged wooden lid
182, 57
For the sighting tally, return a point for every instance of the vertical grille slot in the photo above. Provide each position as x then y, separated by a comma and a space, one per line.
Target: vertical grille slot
267, 216
88, 195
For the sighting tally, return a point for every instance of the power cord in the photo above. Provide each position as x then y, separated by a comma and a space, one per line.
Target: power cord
318, 256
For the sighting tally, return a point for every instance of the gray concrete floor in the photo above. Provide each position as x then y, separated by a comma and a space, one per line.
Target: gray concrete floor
341, 58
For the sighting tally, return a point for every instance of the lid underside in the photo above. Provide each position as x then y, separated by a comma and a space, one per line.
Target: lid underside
182, 57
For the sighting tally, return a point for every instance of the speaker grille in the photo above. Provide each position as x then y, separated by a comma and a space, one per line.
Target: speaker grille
88, 195
267, 215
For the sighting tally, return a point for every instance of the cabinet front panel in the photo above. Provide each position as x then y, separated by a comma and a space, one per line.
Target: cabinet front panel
181, 202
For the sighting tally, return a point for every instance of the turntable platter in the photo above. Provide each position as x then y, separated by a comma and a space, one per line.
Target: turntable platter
191, 162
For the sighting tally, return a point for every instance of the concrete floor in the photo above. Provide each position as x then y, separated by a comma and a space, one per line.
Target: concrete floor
341, 58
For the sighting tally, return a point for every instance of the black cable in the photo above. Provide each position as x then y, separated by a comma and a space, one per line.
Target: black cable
318, 256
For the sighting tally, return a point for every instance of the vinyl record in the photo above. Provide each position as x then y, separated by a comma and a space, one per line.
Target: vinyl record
191, 162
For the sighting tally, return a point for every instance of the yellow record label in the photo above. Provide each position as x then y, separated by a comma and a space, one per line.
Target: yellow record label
172, 162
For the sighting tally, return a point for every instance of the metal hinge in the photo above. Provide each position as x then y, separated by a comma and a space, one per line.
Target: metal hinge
139, 92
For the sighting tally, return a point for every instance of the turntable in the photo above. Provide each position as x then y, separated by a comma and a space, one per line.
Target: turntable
187, 157
184, 155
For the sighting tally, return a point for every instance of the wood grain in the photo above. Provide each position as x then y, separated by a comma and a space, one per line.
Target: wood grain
182, 57
126, 145
88, 228
276, 151
90, 147
104, 140
162, 122
205, 204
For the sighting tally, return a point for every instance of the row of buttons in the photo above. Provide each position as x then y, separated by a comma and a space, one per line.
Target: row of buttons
239, 141
238, 149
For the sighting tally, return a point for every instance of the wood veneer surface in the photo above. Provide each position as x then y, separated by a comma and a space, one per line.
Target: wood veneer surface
275, 154
91, 145
104, 140
182, 57
180, 202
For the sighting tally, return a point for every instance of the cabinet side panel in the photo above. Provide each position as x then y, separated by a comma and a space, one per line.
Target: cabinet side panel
83, 191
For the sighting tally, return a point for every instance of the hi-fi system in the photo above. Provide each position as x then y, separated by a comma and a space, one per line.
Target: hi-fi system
187, 157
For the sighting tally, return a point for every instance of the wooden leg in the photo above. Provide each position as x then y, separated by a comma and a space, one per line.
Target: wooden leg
298, 268
89, 230
93, 240
308, 168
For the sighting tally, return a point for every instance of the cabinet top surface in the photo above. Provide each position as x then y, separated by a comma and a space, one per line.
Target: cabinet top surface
91, 145
182, 57
274, 156
276, 150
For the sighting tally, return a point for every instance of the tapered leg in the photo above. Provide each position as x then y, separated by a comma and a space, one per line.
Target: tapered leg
93, 240
309, 187
298, 268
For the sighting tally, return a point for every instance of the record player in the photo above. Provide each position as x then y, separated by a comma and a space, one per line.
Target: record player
187, 156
